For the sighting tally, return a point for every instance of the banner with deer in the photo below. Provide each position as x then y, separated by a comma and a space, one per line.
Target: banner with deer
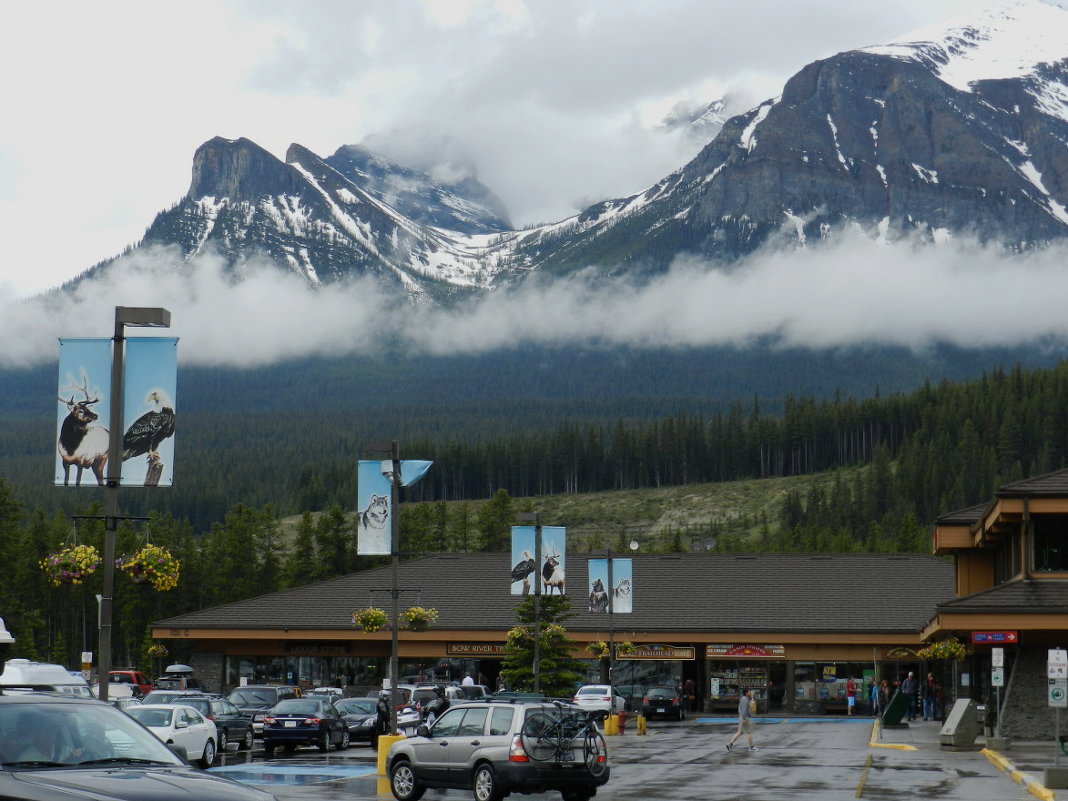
374, 508
615, 595
84, 409
150, 371
548, 568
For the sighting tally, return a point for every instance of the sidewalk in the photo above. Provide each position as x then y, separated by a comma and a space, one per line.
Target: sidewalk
1023, 761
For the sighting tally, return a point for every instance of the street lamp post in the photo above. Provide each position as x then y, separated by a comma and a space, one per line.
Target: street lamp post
535, 518
134, 316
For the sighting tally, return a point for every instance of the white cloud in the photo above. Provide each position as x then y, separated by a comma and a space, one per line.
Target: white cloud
849, 290
557, 101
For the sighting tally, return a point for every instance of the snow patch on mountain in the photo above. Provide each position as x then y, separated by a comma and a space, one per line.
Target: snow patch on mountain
1009, 39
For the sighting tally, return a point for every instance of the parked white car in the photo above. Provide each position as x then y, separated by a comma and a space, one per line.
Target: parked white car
179, 725
599, 698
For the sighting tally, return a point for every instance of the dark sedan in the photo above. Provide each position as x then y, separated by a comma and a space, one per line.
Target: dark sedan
361, 716
233, 727
304, 721
663, 702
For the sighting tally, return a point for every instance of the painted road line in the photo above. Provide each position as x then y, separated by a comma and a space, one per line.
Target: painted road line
874, 743
1031, 784
863, 777
733, 721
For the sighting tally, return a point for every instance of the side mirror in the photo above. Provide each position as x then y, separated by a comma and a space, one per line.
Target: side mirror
423, 730
182, 724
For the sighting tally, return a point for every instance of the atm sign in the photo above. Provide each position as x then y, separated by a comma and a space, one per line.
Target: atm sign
993, 636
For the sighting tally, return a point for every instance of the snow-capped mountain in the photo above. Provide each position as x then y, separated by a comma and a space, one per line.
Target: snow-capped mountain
961, 129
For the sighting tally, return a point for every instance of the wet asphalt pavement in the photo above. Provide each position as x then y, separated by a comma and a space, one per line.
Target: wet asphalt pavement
796, 759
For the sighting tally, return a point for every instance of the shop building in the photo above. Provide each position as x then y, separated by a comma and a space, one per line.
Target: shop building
1010, 592
793, 627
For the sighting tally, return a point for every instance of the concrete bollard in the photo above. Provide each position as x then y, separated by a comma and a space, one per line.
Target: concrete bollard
639, 723
621, 722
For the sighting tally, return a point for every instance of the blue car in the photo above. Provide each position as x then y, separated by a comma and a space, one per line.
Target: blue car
304, 721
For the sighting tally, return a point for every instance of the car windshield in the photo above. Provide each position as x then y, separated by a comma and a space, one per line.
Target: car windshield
661, 692
593, 690
61, 735
298, 706
351, 706
250, 697
161, 697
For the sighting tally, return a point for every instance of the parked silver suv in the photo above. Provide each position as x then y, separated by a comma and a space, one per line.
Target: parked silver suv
488, 747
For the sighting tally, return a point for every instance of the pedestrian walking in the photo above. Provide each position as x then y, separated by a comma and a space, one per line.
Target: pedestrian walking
909, 687
851, 695
884, 696
929, 697
746, 709
690, 698
872, 694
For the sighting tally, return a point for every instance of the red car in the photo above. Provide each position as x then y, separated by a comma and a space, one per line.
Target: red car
130, 676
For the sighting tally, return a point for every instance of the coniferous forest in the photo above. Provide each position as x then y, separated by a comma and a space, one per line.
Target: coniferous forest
893, 462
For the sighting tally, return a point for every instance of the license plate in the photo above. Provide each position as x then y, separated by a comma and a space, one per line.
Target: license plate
410, 732
660, 710
291, 724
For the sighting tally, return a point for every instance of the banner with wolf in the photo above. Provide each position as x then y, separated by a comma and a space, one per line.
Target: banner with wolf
374, 505
616, 595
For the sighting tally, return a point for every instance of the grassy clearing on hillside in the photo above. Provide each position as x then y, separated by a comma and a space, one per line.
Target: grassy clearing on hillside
690, 516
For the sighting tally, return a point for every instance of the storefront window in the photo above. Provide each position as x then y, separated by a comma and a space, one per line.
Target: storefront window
1051, 542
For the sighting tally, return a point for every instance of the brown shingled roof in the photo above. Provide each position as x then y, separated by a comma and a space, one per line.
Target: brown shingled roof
764, 592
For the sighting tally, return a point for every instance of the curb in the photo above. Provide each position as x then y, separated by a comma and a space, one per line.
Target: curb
1032, 785
896, 746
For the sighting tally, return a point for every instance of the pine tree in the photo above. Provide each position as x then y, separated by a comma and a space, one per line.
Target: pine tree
559, 669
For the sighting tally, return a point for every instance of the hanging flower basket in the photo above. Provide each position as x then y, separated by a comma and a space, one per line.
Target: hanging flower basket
599, 649
153, 564
952, 649
416, 618
624, 648
71, 565
371, 619
157, 650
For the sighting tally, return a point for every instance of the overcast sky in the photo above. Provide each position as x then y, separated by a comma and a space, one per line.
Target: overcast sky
558, 103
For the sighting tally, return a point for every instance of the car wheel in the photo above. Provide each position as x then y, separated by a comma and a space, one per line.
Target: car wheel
324, 740
341, 746
485, 784
224, 740
402, 782
209, 754
268, 748
246, 743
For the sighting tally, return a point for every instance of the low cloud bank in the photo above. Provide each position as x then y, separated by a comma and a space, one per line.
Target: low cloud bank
850, 291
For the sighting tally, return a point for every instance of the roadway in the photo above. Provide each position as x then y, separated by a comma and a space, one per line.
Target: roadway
826, 759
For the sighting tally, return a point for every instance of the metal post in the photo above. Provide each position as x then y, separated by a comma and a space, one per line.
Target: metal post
394, 549
537, 602
135, 316
1057, 737
611, 626
997, 710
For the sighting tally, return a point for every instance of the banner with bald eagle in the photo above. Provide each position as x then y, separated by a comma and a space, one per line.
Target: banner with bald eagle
83, 429
547, 569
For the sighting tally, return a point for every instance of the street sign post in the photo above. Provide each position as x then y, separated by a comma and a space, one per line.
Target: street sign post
1057, 674
997, 677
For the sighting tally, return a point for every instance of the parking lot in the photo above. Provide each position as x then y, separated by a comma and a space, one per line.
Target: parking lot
796, 759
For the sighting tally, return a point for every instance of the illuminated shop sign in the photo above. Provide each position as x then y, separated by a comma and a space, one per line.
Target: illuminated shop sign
717, 651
